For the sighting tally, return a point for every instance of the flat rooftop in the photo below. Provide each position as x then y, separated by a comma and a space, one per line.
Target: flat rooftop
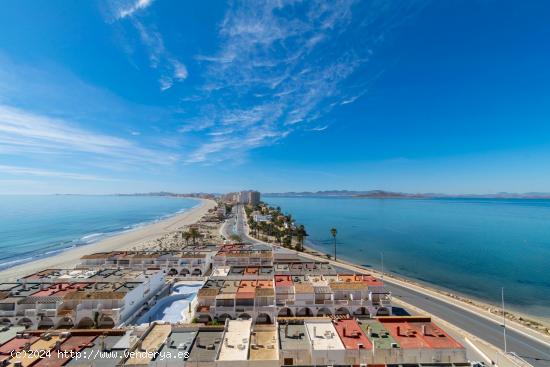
178, 341
110, 342
283, 281
293, 337
151, 343
10, 333
323, 335
418, 332
220, 271
351, 335
235, 341
377, 334
206, 346
38, 345
263, 345
73, 343
16, 344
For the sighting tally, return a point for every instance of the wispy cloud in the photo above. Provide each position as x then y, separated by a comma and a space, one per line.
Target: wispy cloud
125, 9
274, 73
170, 69
27, 171
25, 133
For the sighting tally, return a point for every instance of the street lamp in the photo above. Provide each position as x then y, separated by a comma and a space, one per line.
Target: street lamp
504, 320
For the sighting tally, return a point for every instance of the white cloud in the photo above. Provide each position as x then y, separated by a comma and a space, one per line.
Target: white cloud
319, 128
180, 71
23, 132
27, 171
126, 9
271, 66
170, 68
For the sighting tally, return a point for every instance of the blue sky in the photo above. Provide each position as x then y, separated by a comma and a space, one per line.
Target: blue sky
147, 95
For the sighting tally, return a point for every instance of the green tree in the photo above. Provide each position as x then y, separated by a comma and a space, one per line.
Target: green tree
194, 232
300, 236
187, 237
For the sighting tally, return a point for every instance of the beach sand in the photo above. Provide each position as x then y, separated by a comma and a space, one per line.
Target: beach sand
138, 237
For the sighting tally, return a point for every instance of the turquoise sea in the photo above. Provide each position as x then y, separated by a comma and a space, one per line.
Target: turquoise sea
469, 246
33, 227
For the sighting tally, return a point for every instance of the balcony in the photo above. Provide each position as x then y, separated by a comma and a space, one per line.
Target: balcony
46, 312
244, 308
224, 308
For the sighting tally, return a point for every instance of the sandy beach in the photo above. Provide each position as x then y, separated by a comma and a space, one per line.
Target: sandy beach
138, 237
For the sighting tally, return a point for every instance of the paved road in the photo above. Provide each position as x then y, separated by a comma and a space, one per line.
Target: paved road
534, 352
235, 226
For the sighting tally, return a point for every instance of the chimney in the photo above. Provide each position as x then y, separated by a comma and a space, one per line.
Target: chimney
398, 330
344, 331
315, 331
286, 330
424, 329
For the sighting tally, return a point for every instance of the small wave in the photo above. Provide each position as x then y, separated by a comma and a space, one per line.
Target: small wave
15, 262
64, 245
91, 236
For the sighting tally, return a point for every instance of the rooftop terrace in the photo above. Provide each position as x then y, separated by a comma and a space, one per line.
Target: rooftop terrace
236, 341
293, 337
177, 341
351, 334
377, 334
206, 347
263, 344
323, 335
418, 332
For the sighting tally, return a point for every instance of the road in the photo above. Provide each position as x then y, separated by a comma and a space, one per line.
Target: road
534, 352
235, 225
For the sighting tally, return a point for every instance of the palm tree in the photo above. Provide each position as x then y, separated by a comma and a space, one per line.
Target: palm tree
194, 232
300, 236
334, 232
187, 237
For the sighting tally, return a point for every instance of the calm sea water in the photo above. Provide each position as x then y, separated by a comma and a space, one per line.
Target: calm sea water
37, 226
469, 246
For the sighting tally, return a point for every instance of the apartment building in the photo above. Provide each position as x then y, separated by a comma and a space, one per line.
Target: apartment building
243, 255
192, 261
52, 299
327, 295
237, 299
382, 341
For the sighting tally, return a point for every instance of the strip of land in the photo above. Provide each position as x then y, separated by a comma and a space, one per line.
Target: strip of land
138, 238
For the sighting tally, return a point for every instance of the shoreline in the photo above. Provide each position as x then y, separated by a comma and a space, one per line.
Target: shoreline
526, 320
136, 237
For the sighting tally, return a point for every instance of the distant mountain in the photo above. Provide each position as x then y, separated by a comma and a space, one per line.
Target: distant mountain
172, 194
382, 194
346, 193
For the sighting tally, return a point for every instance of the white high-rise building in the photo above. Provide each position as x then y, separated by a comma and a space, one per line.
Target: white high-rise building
250, 197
